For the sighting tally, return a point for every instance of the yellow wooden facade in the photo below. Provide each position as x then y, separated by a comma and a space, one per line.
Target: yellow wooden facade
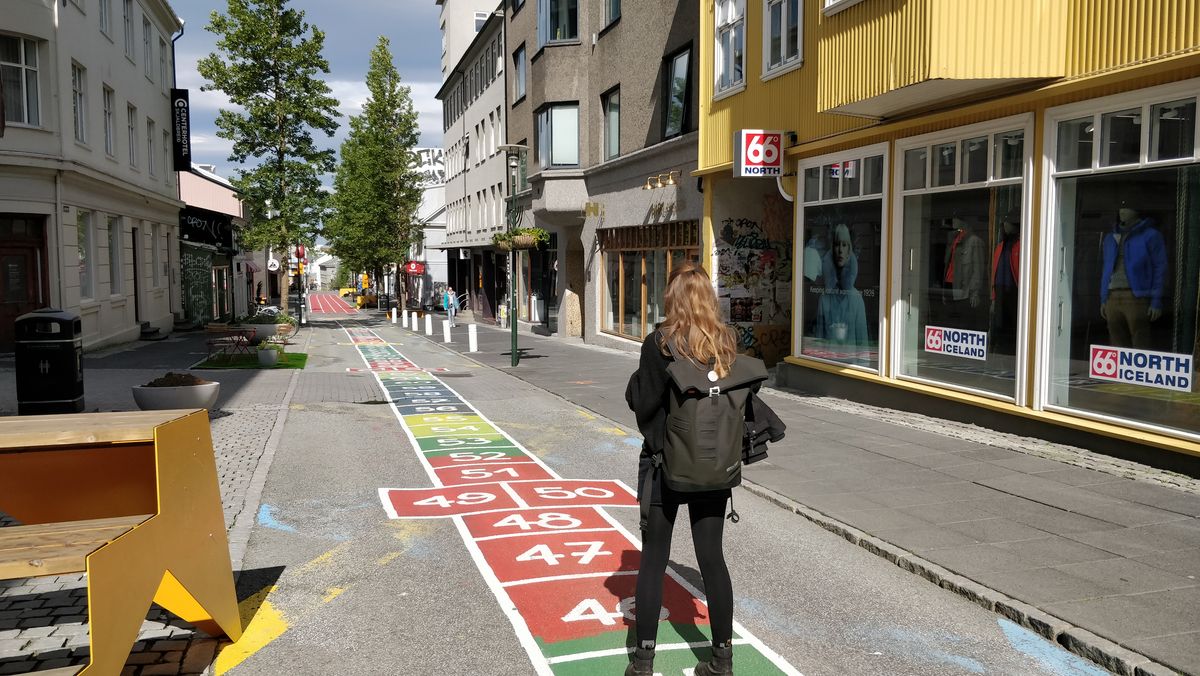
923, 66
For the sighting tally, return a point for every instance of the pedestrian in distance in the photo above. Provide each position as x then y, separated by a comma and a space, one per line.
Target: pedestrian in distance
450, 302
692, 331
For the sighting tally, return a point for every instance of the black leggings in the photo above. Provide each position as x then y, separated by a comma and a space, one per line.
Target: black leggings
708, 522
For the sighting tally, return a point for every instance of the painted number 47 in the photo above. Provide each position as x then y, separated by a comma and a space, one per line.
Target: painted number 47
544, 553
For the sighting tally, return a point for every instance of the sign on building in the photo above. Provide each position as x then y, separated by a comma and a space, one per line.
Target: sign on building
181, 129
956, 342
1164, 370
757, 152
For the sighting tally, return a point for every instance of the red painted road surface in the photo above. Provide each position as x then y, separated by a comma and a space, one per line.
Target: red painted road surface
329, 303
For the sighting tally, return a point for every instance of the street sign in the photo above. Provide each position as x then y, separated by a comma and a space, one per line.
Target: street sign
414, 268
181, 130
757, 152
273, 265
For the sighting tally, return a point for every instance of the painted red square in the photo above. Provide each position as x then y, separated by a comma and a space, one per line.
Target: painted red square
505, 456
575, 493
529, 556
463, 476
418, 503
544, 605
535, 521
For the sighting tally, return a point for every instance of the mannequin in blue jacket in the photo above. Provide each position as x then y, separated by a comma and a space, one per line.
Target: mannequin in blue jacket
1133, 279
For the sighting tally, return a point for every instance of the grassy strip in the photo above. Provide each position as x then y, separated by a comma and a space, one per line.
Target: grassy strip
287, 360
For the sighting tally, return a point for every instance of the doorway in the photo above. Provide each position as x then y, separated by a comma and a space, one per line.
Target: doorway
137, 276
24, 284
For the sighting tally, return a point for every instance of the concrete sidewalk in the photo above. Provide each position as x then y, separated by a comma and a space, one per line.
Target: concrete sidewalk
1099, 554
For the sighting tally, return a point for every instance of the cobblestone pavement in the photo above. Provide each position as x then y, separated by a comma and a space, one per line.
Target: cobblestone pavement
43, 620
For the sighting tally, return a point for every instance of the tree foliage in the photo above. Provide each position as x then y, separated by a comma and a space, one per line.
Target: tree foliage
268, 63
377, 188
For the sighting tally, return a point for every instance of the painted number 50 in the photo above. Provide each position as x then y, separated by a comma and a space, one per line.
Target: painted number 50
560, 493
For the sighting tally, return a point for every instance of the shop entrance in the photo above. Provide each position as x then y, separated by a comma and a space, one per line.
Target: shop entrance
23, 283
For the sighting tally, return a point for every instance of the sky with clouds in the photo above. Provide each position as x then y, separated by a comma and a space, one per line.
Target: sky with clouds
351, 28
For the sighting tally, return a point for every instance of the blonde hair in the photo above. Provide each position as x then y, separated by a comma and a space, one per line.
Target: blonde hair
693, 326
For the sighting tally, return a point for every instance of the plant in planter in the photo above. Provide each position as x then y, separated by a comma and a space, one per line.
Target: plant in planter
267, 325
269, 353
176, 390
521, 238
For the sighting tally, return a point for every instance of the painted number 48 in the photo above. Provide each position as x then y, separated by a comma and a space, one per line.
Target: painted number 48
590, 609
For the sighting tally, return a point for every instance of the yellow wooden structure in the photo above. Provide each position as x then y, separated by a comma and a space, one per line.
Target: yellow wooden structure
133, 500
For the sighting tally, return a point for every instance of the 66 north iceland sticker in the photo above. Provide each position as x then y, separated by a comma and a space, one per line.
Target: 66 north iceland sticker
1164, 370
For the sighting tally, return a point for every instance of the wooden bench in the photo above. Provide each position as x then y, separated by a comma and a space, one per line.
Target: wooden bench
129, 498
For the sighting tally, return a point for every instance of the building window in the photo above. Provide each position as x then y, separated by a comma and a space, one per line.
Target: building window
1124, 322
84, 243
115, 241
782, 46
128, 19
162, 64
480, 19
147, 48
557, 20
151, 159
961, 272
636, 263
842, 231
109, 129
558, 136
19, 68
166, 155
79, 101
730, 51
612, 11
106, 16
611, 104
131, 133
156, 274
519, 73
678, 78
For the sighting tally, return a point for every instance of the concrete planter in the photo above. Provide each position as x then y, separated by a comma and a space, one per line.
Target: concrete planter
268, 357
166, 398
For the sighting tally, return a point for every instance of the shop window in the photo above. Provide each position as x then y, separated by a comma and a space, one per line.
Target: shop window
19, 67
843, 242
914, 168
960, 264
1075, 144
637, 262
1124, 313
1173, 134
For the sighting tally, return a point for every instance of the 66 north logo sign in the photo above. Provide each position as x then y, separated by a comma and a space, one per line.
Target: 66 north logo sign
758, 153
1164, 370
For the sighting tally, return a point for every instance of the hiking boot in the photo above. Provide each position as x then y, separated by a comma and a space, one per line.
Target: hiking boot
721, 663
642, 664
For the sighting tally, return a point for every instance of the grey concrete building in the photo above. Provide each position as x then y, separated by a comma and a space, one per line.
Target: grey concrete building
603, 94
473, 113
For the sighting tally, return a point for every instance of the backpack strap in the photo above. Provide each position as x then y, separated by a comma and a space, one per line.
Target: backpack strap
647, 493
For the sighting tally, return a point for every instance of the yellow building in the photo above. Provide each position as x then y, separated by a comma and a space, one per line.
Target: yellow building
992, 205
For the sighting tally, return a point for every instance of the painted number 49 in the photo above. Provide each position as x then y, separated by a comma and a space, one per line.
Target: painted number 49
461, 499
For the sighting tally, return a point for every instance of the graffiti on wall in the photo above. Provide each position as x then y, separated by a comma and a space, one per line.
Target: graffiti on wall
197, 284
754, 279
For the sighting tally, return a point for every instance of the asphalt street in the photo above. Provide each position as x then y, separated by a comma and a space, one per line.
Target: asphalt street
334, 586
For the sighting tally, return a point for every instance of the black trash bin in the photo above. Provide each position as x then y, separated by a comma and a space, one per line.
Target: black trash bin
49, 360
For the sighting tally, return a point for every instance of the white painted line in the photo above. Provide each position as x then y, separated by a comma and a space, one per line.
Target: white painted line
661, 647
578, 576
545, 532
513, 494
485, 511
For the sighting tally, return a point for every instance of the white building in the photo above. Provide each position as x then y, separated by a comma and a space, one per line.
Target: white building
217, 281
89, 206
427, 279
473, 122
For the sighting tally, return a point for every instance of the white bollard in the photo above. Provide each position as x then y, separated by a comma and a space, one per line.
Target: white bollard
429, 325
404, 319
445, 330
393, 315
472, 338
412, 321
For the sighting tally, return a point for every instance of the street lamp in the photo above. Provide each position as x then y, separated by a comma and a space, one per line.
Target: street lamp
513, 152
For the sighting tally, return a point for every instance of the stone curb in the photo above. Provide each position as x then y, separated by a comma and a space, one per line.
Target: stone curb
1101, 651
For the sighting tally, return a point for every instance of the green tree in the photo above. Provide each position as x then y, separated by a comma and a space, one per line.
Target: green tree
268, 63
377, 188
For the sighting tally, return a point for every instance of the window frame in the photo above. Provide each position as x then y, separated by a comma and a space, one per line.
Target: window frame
731, 19
786, 63
85, 218
116, 241
832, 7
147, 47
612, 12
668, 70
544, 27
606, 100
106, 17
519, 73
546, 140
79, 101
480, 19
151, 163
109, 98
127, 20
131, 130
162, 64
24, 45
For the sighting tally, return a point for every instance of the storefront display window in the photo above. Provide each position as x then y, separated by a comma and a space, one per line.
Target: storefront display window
842, 231
961, 269
637, 262
1125, 299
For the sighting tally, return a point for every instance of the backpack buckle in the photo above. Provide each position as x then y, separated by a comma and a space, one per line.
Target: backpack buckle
714, 391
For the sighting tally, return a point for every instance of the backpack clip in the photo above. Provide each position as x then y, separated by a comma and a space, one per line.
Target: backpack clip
714, 391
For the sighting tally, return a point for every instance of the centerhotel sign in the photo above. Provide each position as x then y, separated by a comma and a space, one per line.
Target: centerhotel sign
181, 129
758, 152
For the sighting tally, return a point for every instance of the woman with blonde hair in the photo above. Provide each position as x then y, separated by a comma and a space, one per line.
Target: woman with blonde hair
692, 331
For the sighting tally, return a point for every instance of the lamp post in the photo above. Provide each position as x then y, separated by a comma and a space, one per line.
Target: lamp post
513, 153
